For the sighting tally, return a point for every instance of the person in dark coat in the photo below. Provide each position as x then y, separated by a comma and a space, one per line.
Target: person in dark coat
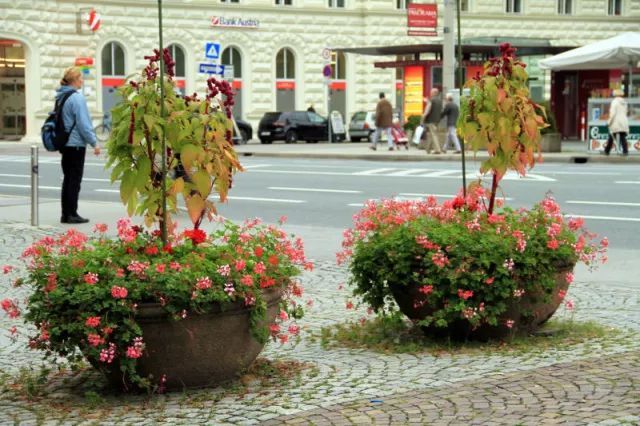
311, 108
384, 121
430, 119
451, 113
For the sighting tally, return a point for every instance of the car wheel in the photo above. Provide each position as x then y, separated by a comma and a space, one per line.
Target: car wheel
265, 141
291, 137
244, 136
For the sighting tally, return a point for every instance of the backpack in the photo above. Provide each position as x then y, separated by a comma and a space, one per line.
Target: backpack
54, 136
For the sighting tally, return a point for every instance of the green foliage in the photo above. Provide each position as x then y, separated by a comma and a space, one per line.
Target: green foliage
499, 116
196, 132
412, 122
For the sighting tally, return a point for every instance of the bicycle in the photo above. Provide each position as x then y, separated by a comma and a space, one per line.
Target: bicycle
103, 130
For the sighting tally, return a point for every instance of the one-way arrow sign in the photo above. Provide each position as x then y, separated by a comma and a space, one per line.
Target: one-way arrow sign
206, 68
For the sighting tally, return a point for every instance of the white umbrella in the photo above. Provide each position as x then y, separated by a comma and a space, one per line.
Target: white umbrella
620, 51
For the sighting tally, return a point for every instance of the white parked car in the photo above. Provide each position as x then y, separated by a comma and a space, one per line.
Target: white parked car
362, 126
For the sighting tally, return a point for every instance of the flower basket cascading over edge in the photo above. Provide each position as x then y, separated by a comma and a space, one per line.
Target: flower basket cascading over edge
184, 309
470, 267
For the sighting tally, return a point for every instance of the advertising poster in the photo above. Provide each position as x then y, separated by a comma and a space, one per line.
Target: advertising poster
598, 135
413, 90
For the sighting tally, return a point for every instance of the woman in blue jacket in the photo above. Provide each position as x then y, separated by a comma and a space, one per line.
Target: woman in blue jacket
75, 115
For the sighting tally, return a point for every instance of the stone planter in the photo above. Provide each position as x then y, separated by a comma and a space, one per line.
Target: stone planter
199, 351
551, 142
528, 312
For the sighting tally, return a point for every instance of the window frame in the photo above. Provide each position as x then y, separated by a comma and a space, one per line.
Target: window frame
285, 64
237, 68
611, 6
403, 4
510, 4
283, 2
562, 7
112, 73
334, 4
172, 48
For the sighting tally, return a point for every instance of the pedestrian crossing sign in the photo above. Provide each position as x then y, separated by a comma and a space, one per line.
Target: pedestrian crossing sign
212, 50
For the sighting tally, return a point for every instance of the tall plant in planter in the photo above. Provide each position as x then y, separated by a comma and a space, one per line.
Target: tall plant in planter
156, 312
470, 267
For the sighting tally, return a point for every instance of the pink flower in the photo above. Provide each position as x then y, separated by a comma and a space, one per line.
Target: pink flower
10, 307
576, 223
553, 244
508, 264
107, 355
293, 329
274, 329
569, 305
100, 227
224, 270
349, 304
203, 283
119, 273
229, 289
240, 265
440, 259
249, 300
426, 289
94, 339
465, 294
135, 351
518, 292
509, 323
259, 268
175, 266
118, 292
562, 294
92, 322
247, 280
6, 269
489, 280
282, 220
161, 268
568, 277
283, 315
91, 278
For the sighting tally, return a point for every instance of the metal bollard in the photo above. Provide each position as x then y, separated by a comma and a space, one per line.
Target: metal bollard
34, 185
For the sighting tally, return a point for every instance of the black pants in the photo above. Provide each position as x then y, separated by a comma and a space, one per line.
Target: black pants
72, 169
623, 142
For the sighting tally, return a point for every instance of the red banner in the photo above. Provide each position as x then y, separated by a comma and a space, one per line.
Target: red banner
285, 85
81, 62
423, 17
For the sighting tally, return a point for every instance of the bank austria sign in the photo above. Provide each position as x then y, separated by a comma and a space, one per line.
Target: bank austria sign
221, 21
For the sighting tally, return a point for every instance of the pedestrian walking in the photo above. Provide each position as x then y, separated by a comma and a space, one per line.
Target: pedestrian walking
618, 122
311, 108
384, 121
77, 122
430, 119
451, 112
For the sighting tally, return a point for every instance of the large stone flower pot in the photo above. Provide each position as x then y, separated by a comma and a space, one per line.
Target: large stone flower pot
199, 351
528, 312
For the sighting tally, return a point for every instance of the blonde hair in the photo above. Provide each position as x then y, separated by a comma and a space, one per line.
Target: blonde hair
70, 75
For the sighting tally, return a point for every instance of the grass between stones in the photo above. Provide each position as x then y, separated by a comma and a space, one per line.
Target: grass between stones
84, 392
396, 334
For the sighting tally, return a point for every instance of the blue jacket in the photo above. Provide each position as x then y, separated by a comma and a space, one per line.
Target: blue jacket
75, 109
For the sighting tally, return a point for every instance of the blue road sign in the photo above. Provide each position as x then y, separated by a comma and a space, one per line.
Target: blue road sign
212, 50
206, 68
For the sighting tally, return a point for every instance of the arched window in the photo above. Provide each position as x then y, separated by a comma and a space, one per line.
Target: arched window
113, 62
285, 64
177, 53
232, 56
339, 69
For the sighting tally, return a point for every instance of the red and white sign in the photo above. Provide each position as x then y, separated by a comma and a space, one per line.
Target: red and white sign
94, 20
285, 85
84, 62
422, 19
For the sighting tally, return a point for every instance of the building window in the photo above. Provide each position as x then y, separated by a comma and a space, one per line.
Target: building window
565, 7
336, 3
113, 59
615, 7
464, 5
514, 6
339, 68
285, 64
284, 2
229, 1
177, 53
402, 4
231, 56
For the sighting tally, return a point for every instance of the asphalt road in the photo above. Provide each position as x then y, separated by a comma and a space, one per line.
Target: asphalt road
324, 194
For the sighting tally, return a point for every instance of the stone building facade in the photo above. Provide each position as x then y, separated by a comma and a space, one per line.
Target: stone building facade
276, 46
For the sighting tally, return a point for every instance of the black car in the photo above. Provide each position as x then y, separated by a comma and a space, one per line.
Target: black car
245, 130
294, 126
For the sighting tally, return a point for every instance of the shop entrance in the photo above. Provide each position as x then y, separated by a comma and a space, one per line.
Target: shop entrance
13, 123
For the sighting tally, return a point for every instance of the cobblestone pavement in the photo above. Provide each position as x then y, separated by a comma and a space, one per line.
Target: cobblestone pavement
409, 386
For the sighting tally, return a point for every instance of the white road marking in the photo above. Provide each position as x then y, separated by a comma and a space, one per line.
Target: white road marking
604, 203
443, 173
413, 194
617, 219
6, 185
255, 166
303, 172
339, 191
372, 172
408, 172
115, 191
629, 182
97, 180
12, 175
269, 200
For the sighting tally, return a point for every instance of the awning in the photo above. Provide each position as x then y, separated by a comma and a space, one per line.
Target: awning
488, 49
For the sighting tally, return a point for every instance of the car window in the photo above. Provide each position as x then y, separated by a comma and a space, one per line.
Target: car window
359, 116
300, 116
270, 117
315, 118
